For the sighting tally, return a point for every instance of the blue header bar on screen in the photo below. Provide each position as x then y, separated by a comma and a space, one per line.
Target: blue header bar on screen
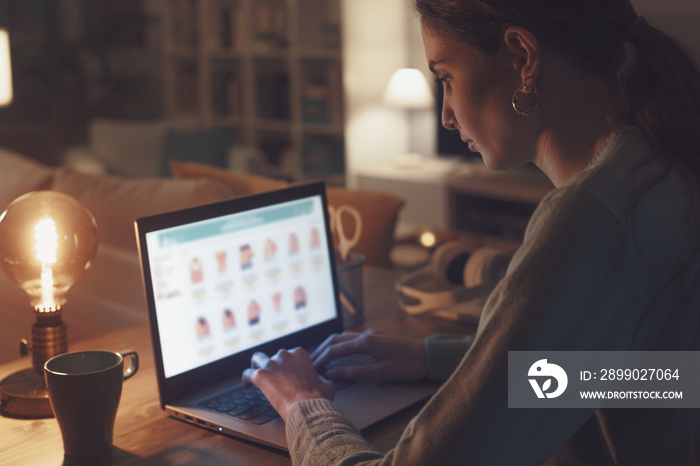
234, 222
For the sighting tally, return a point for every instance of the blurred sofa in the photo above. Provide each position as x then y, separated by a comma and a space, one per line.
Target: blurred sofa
110, 295
143, 148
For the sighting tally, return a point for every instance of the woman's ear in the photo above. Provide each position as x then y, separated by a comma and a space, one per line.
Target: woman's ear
525, 51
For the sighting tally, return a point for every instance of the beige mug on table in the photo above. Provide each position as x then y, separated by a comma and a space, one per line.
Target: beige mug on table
84, 389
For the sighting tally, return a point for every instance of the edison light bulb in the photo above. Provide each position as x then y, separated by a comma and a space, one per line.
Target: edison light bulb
47, 241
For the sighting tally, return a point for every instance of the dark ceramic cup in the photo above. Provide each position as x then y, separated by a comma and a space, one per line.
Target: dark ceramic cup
84, 390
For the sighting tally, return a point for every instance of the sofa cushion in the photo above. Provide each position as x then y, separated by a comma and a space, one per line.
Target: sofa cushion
131, 148
242, 184
20, 175
116, 202
209, 146
379, 210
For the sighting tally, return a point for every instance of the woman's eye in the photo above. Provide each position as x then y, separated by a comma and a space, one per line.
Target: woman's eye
442, 79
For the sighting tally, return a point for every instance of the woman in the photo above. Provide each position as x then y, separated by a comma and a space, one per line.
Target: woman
608, 108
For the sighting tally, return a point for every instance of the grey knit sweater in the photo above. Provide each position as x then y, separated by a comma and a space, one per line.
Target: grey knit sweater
605, 265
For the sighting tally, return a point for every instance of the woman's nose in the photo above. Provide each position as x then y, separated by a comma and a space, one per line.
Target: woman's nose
448, 116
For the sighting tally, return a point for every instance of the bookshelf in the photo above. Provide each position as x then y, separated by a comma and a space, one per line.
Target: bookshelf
272, 68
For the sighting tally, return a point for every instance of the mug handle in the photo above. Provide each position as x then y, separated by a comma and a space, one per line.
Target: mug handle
133, 366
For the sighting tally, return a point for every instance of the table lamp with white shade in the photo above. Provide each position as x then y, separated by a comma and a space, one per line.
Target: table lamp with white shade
409, 90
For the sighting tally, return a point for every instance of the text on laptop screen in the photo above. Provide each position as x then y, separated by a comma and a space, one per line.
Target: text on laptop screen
228, 284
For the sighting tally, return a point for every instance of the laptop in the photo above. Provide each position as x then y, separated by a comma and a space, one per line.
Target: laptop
225, 280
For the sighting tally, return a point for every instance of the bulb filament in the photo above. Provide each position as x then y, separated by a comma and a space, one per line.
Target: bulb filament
46, 244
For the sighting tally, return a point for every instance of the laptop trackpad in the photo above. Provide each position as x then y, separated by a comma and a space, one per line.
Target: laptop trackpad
365, 403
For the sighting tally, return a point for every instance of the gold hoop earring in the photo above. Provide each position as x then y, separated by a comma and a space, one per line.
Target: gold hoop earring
527, 91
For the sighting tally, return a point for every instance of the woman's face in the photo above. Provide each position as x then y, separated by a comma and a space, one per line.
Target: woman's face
477, 100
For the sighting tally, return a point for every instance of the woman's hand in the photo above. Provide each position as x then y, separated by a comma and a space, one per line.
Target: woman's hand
398, 358
287, 377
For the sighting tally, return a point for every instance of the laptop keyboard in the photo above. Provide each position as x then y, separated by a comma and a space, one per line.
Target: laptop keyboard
249, 404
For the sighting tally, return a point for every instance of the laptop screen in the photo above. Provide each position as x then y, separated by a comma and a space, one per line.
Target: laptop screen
224, 285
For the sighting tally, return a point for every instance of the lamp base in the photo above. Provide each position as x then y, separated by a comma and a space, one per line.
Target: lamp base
23, 395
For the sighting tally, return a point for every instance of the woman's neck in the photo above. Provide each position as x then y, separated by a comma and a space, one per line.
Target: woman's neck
576, 124
561, 166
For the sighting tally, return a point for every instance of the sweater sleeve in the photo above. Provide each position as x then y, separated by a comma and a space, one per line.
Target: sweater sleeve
319, 434
546, 302
444, 353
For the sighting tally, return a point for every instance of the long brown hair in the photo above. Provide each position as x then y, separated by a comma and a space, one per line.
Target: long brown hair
655, 82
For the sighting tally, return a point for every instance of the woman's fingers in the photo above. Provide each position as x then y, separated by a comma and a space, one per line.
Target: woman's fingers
247, 378
338, 338
355, 345
258, 360
286, 378
333, 340
398, 358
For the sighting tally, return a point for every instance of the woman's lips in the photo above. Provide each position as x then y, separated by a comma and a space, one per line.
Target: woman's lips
469, 144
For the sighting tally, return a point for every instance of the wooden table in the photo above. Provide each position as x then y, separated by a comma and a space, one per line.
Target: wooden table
143, 434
